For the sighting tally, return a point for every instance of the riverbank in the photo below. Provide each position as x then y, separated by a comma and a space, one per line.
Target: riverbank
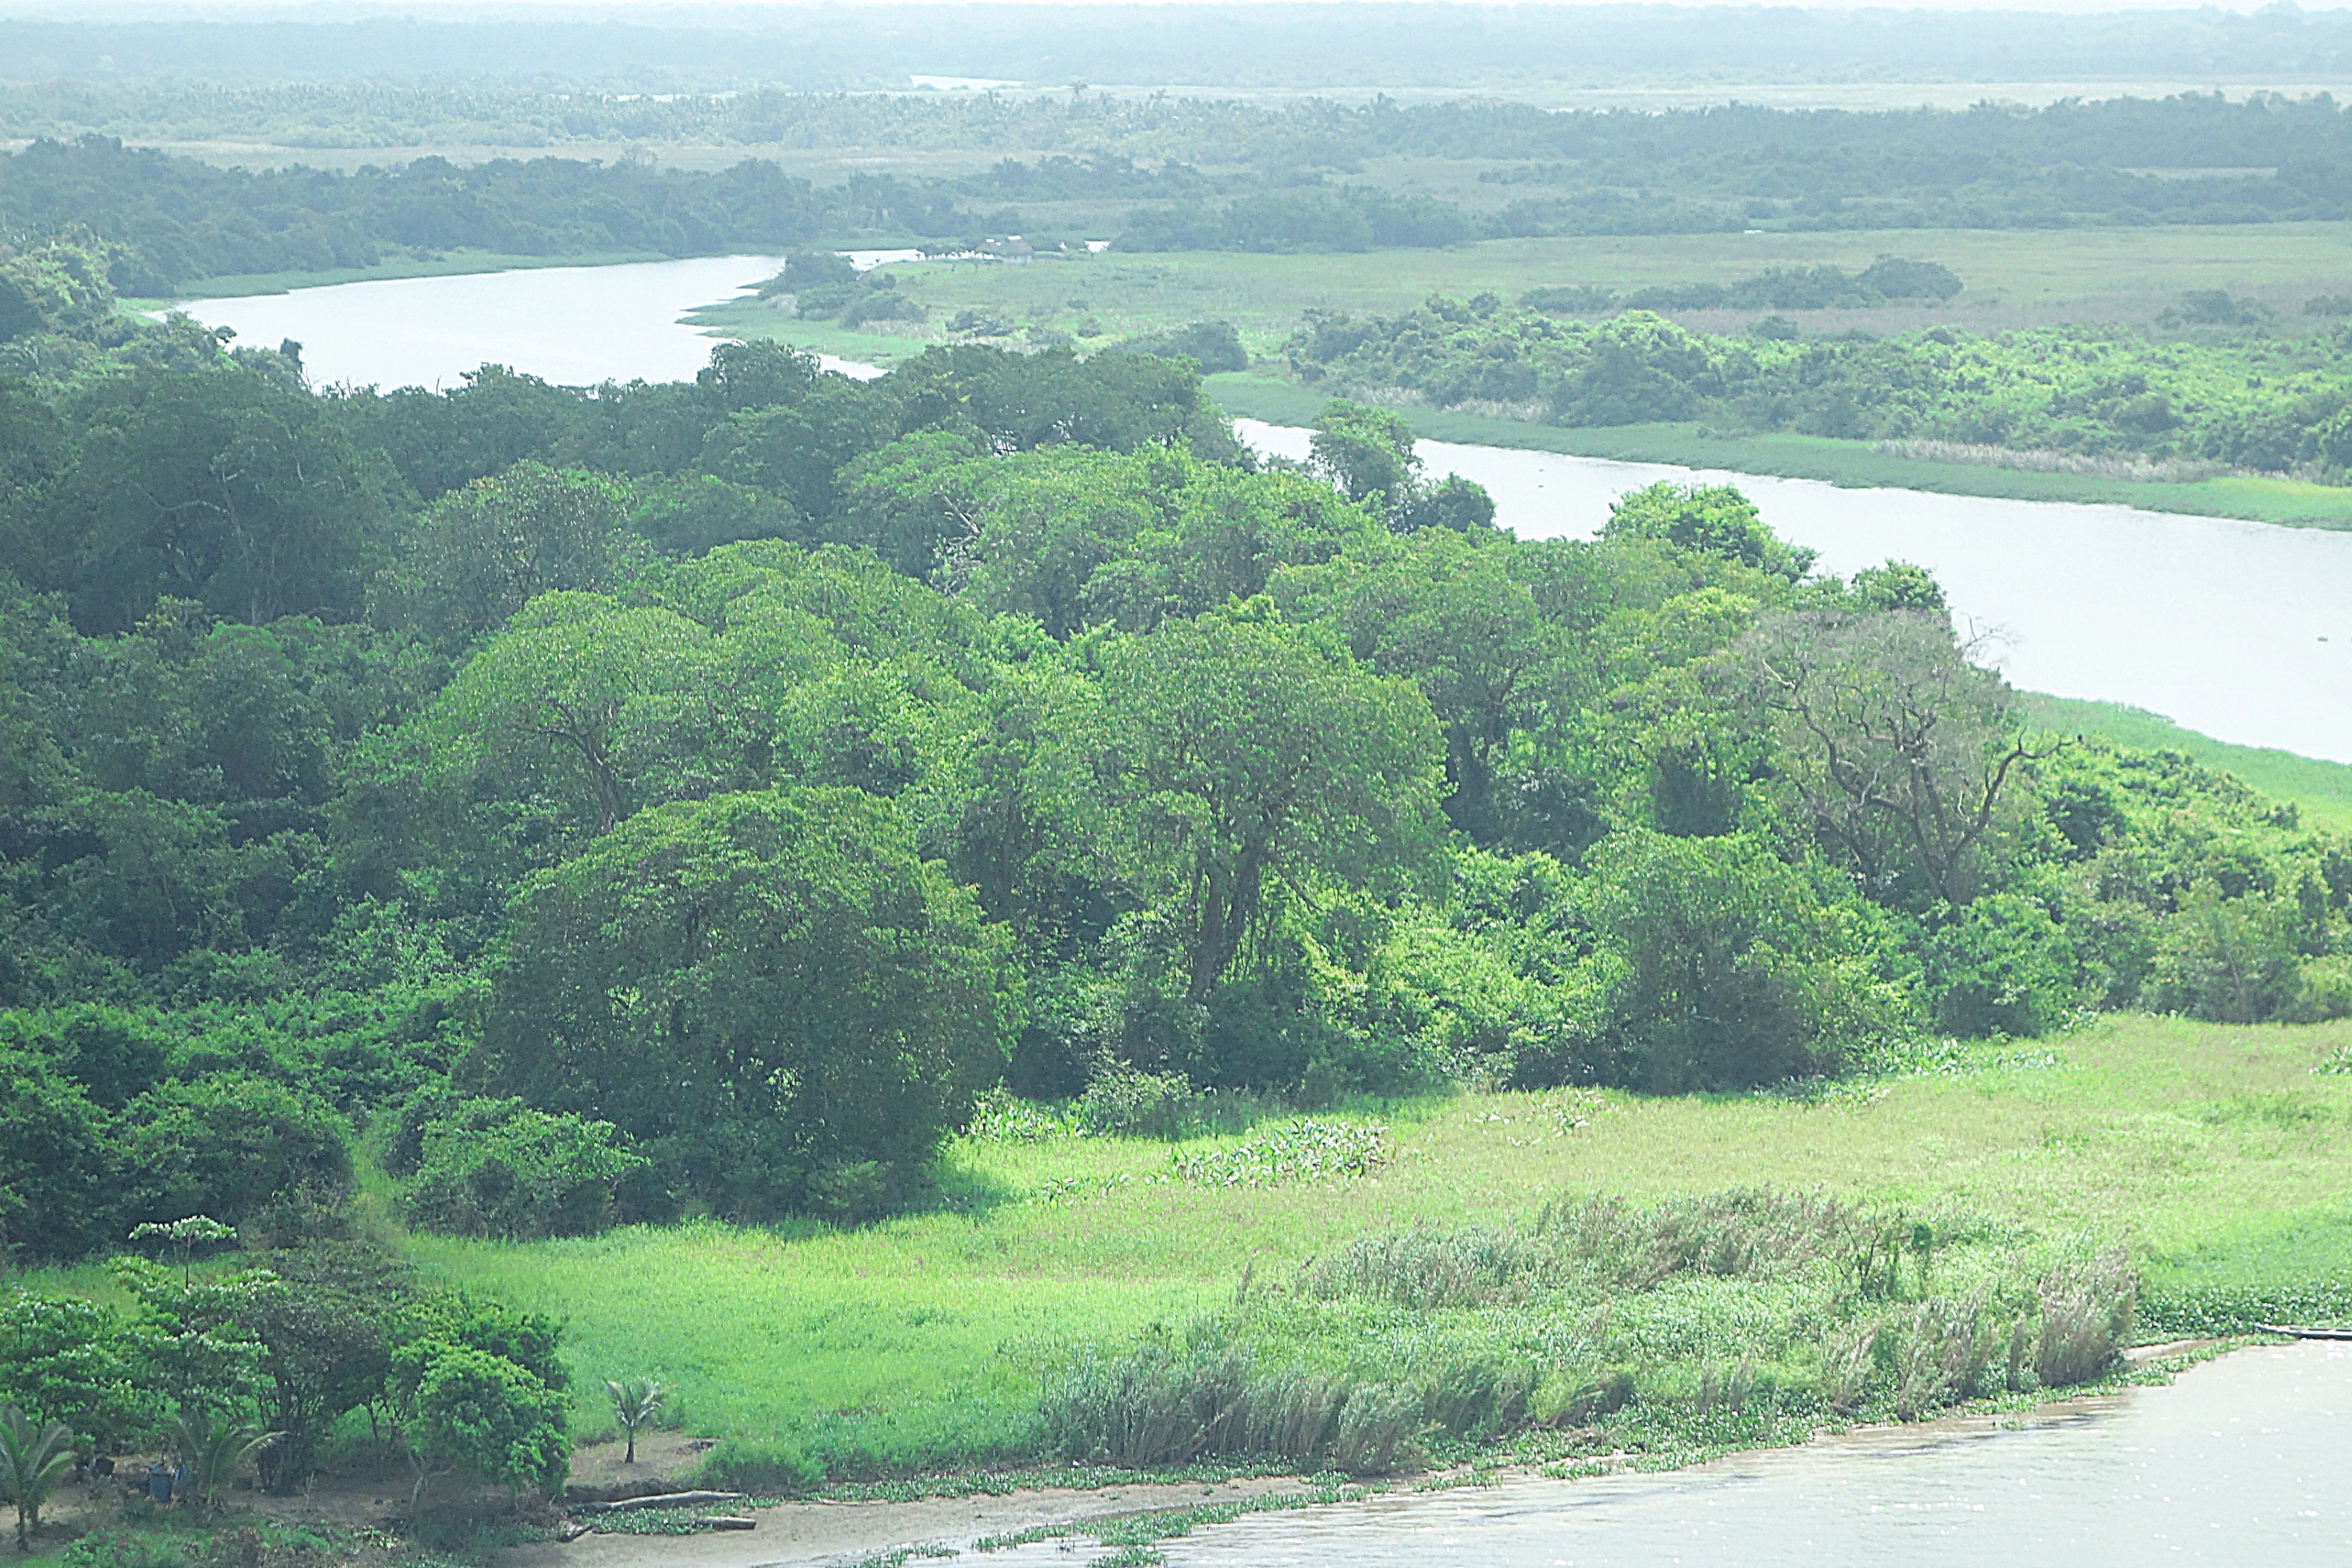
2292, 503
452, 263
1852, 465
1135, 1517
2321, 791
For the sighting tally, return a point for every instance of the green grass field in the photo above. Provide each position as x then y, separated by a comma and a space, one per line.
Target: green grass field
2013, 278
2213, 1152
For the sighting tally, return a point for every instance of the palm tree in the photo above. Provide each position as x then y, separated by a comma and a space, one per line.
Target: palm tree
32, 1458
635, 1404
214, 1449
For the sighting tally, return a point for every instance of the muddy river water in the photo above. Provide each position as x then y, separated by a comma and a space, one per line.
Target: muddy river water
2243, 1460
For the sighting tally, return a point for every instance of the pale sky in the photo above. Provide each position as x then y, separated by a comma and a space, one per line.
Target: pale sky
740, 10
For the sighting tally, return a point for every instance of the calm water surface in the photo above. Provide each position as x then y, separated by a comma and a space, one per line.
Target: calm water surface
573, 325
2238, 630
2241, 1461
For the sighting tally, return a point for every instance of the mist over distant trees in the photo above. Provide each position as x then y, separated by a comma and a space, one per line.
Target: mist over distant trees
1297, 45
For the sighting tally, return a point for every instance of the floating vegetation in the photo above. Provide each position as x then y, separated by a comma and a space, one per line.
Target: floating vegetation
1869, 1071
1305, 1149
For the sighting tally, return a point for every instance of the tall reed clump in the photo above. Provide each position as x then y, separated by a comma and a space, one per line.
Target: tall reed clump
1159, 1406
1602, 1243
2125, 466
2087, 1320
1686, 1326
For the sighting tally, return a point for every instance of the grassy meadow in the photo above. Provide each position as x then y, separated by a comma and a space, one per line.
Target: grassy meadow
2215, 1154
2013, 278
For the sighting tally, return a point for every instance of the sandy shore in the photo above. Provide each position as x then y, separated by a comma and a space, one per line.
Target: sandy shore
820, 1532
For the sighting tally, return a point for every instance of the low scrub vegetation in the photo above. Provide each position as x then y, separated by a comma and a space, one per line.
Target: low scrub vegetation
2217, 395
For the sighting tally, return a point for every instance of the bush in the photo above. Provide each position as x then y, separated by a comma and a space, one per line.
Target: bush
1214, 346
2228, 961
57, 1164
496, 1167
232, 1147
496, 1418
2003, 967
1720, 967
1139, 1104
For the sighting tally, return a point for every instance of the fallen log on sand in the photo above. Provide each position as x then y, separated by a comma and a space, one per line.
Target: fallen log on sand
2305, 1333
660, 1499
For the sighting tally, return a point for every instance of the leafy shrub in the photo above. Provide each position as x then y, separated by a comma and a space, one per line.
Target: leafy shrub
495, 1417
232, 1147
57, 1162
63, 1359
496, 1167
2003, 967
1214, 346
1138, 1104
1720, 967
2323, 989
2229, 961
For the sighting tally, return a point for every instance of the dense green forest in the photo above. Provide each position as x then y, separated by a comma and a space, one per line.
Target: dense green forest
1188, 174
659, 799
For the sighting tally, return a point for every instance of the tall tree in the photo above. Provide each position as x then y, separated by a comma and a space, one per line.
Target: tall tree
479, 554
1245, 749
770, 991
1901, 751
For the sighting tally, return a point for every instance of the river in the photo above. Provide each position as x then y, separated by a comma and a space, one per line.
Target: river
2238, 1461
2240, 630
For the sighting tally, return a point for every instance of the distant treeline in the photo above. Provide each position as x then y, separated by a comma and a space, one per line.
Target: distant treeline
186, 219
1169, 175
1289, 45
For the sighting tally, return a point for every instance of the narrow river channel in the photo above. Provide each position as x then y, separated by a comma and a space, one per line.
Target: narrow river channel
2238, 630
